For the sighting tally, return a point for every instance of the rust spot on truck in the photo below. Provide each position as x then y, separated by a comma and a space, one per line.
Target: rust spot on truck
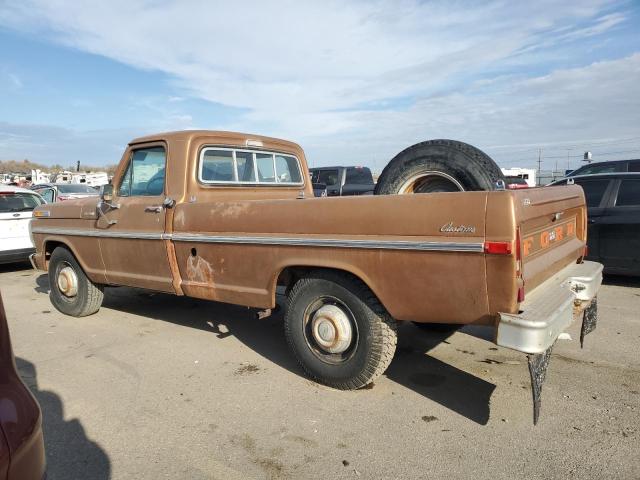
199, 270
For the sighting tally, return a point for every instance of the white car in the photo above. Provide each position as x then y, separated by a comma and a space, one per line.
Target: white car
16, 209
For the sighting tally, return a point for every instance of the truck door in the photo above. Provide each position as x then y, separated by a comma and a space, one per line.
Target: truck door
620, 229
134, 221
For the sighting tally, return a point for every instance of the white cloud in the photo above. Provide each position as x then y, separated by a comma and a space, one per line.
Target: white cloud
329, 74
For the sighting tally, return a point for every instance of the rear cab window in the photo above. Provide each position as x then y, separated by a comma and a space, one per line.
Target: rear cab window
329, 177
13, 202
230, 166
358, 176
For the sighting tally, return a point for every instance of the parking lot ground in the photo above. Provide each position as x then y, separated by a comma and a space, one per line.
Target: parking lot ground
156, 386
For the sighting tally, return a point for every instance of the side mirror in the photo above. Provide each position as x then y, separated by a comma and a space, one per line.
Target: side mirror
106, 193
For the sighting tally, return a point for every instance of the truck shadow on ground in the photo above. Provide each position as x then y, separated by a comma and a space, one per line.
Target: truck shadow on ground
621, 280
42, 284
412, 367
70, 454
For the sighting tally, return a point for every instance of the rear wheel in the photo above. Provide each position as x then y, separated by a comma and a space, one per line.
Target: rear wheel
439, 166
338, 331
71, 291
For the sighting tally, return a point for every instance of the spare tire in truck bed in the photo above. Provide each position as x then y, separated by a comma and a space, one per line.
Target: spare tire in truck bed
439, 166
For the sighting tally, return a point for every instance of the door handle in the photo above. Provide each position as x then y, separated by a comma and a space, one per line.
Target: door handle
591, 221
153, 208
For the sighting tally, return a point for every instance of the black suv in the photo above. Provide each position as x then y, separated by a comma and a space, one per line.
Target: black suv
342, 181
613, 202
614, 166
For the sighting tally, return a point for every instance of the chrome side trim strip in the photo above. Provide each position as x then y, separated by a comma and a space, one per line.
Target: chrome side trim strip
322, 242
98, 233
285, 241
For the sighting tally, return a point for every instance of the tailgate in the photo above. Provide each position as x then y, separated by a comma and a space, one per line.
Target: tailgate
552, 227
14, 224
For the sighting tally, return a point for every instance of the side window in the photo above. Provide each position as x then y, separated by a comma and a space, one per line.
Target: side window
125, 185
287, 169
47, 194
594, 191
328, 177
628, 193
634, 166
145, 173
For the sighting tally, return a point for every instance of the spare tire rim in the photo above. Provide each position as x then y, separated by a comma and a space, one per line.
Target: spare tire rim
431, 182
330, 330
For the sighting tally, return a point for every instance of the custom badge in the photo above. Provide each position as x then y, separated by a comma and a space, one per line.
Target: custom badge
451, 228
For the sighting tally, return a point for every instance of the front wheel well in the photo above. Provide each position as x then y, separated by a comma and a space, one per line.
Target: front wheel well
50, 246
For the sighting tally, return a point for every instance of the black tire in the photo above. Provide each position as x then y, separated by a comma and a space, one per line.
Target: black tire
439, 166
89, 296
374, 331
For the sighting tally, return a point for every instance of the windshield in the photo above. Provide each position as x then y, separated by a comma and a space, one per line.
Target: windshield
76, 188
18, 202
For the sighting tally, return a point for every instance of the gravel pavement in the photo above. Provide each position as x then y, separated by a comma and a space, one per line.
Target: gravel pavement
156, 386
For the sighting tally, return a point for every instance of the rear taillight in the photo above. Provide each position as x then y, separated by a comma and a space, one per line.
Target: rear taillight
519, 267
62, 198
497, 248
518, 253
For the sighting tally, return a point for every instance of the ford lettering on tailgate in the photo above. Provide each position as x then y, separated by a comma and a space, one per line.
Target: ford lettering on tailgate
548, 236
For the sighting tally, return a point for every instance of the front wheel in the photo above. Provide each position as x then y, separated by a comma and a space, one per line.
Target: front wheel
339, 332
72, 292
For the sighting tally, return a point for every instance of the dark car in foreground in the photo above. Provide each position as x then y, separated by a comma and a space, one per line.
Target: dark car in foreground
59, 192
21, 442
613, 201
344, 181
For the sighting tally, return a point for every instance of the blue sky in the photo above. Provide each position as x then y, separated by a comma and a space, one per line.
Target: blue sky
351, 82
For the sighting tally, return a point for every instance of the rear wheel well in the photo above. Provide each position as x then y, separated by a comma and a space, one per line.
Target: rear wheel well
290, 275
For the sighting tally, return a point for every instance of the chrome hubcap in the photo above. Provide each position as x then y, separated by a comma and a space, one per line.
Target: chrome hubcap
68, 282
331, 329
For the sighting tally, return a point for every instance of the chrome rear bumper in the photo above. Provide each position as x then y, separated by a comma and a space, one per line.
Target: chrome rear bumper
550, 309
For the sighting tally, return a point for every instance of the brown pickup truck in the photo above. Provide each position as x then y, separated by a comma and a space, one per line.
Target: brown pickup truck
229, 217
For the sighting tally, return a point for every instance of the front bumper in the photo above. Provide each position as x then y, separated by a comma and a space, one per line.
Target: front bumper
18, 255
550, 309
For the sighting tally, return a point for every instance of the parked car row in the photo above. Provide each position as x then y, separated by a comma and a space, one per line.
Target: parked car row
59, 192
342, 181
